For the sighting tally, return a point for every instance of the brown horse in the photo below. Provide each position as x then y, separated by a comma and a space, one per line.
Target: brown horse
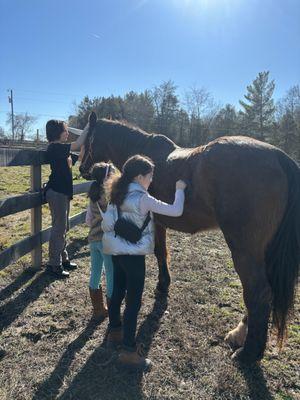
249, 189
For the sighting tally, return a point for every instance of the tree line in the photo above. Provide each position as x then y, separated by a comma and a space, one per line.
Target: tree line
197, 118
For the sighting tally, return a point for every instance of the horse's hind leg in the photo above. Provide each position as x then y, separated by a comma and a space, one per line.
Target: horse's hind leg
161, 254
257, 297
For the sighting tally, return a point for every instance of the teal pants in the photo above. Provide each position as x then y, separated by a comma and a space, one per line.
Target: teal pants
98, 259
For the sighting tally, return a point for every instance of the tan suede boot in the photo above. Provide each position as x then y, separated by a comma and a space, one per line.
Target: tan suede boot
134, 360
99, 308
114, 338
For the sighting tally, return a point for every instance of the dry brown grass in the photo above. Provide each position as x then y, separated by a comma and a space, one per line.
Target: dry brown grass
49, 350
52, 352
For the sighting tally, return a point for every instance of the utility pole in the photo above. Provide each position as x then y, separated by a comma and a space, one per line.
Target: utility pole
11, 101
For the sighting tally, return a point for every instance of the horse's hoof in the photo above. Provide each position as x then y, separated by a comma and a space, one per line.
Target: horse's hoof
241, 356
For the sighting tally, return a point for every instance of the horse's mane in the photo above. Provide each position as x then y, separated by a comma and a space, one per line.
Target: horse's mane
129, 135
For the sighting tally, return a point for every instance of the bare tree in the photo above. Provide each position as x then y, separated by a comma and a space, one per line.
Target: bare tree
166, 106
201, 109
290, 102
199, 102
225, 122
22, 124
2, 133
287, 134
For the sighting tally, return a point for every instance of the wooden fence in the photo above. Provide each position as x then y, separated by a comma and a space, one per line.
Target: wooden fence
35, 159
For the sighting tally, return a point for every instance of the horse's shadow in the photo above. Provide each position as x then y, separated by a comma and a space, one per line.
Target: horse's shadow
100, 379
256, 382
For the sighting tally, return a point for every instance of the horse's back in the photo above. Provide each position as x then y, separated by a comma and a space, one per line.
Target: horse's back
236, 183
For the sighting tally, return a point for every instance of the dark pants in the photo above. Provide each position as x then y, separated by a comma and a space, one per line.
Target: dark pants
129, 278
59, 205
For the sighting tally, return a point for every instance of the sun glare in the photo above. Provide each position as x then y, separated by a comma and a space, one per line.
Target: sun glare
204, 4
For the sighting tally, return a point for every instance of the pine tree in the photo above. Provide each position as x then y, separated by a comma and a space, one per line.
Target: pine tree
139, 109
258, 113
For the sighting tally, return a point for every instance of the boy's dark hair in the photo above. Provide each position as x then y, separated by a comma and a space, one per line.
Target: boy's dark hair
54, 129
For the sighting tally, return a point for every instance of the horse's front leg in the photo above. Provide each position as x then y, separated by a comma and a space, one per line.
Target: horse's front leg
161, 254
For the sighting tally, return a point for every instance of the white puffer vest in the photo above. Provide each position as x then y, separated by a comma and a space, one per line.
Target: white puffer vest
130, 209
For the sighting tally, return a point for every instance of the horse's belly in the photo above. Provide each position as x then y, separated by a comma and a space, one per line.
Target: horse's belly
189, 222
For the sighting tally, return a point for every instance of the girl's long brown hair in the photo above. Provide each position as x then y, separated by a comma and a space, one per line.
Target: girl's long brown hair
98, 173
134, 166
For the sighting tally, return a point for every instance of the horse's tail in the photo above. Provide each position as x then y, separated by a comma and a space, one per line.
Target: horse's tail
283, 253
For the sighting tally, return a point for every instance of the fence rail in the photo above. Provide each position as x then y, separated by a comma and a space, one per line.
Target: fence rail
12, 205
34, 200
10, 157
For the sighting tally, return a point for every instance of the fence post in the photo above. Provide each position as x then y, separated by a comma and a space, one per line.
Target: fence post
36, 215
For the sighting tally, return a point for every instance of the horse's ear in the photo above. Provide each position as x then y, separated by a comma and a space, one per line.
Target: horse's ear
92, 119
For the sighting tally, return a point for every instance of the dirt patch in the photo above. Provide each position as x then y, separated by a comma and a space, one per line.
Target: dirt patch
49, 350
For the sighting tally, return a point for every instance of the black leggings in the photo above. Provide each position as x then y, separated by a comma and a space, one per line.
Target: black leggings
129, 278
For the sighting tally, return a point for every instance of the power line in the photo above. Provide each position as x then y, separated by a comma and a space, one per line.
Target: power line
51, 93
43, 100
36, 115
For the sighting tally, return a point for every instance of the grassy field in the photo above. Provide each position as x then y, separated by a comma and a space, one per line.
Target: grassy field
50, 350
15, 181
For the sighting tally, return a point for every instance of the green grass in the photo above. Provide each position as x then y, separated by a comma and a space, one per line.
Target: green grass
16, 181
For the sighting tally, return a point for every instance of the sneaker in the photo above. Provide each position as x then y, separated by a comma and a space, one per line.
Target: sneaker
69, 266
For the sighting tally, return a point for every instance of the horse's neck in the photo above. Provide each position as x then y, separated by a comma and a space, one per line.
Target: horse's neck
121, 150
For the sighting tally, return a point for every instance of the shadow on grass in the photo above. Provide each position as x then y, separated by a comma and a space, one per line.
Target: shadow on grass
256, 382
50, 387
151, 324
11, 310
101, 379
82, 254
24, 277
74, 246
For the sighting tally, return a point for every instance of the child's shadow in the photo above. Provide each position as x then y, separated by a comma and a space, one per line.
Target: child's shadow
151, 324
100, 379
50, 387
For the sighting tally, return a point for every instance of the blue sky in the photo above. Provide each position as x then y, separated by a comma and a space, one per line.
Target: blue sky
53, 52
